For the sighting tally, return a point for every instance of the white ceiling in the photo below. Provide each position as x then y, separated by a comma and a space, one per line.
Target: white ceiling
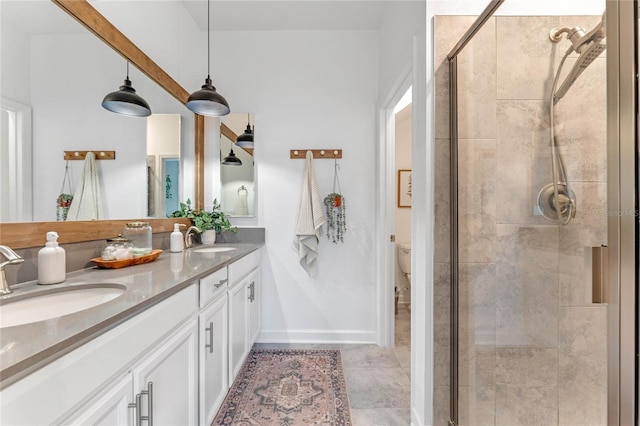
266, 15
44, 17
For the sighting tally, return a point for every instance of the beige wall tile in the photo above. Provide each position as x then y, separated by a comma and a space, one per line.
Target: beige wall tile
583, 366
526, 57
476, 199
477, 406
526, 405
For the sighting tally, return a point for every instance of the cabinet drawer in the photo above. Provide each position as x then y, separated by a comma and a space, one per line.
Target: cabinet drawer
212, 286
242, 267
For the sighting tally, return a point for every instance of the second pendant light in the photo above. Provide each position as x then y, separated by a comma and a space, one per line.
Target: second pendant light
231, 159
207, 101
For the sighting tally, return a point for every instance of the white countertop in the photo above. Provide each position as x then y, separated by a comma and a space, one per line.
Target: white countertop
25, 348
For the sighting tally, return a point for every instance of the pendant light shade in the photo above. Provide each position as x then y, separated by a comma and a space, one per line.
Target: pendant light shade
231, 159
207, 101
245, 140
126, 101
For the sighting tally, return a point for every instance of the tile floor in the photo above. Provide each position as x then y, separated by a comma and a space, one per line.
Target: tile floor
378, 379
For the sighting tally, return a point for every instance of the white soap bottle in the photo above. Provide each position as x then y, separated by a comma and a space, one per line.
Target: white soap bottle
176, 240
51, 261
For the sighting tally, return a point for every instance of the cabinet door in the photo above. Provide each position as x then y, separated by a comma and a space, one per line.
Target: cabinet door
213, 359
110, 409
172, 369
254, 306
238, 327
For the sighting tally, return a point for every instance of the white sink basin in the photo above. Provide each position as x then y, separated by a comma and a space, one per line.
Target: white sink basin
46, 304
213, 249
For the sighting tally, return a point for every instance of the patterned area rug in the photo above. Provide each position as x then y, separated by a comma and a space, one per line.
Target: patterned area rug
288, 387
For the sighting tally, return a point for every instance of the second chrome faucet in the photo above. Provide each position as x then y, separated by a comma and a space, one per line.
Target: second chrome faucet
188, 236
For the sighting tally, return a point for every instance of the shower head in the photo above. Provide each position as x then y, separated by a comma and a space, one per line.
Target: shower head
588, 55
588, 45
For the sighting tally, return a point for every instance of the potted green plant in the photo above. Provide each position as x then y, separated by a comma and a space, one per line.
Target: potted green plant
209, 223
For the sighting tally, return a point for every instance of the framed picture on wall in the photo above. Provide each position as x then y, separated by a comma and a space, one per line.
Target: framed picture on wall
404, 188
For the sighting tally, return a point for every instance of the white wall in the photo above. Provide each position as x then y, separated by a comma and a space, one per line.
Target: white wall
15, 65
310, 89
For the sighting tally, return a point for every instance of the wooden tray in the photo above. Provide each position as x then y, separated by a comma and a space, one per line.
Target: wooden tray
115, 264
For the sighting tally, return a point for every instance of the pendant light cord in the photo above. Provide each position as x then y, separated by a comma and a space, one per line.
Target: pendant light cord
208, 39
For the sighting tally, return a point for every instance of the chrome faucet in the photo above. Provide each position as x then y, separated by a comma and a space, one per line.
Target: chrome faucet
12, 259
188, 236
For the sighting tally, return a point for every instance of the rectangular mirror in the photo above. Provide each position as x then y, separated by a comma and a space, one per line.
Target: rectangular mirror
57, 73
237, 174
163, 164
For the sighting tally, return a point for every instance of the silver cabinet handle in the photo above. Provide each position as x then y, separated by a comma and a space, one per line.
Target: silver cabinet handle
138, 404
150, 391
135, 405
220, 283
210, 344
252, 292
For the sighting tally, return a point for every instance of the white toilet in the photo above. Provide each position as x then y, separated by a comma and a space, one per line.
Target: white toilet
404, 259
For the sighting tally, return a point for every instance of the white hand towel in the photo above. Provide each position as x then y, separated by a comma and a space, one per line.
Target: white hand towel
87, 200
310, 220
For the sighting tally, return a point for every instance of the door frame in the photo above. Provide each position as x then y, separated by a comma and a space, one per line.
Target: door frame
412, 74
21, 196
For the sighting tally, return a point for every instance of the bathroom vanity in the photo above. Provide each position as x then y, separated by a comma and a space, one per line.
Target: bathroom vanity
166, 349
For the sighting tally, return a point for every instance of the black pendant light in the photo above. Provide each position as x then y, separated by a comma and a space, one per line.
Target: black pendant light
126, 101
231, 159
207, 101
245, 140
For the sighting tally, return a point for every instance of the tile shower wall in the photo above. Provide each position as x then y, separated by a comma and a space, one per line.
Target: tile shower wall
532, 346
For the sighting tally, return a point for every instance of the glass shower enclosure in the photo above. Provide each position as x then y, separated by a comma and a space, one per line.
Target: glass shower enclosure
522, 112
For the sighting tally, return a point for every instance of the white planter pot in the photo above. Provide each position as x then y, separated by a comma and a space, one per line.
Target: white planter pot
209, 237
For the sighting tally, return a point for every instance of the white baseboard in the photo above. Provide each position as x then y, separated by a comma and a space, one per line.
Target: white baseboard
316, 336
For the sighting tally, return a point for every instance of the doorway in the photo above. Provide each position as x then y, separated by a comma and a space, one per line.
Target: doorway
15, 162
402, 140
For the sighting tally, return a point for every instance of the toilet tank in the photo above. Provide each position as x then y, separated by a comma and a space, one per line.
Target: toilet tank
404, 257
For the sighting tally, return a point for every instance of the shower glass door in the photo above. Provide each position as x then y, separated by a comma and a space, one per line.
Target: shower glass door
531, 339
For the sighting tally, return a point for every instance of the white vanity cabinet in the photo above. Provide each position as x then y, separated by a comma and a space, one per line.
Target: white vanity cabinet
167, 380
213, 347
255, 306
92, 384
244, 309
111, 408
164, 383
171, 364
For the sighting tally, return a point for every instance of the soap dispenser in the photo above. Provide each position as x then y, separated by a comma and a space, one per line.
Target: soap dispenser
51, 261
176, 240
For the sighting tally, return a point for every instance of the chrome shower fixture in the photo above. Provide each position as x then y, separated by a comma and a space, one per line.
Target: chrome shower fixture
588, 45
557, 207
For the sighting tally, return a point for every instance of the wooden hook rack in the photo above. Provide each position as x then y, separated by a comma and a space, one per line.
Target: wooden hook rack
81, 155
317, 153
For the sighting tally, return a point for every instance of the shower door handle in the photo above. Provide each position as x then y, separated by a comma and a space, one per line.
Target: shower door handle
599, 274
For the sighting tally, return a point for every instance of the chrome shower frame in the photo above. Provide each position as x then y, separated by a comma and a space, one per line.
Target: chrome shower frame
622, 212
452, 57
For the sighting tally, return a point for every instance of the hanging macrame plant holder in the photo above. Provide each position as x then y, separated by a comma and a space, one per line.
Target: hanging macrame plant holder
64, 199
336, 211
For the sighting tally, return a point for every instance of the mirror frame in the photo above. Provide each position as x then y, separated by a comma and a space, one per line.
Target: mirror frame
30, 234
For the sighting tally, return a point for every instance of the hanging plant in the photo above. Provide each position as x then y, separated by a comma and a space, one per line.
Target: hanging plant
63, 202
62, 206
336, 218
